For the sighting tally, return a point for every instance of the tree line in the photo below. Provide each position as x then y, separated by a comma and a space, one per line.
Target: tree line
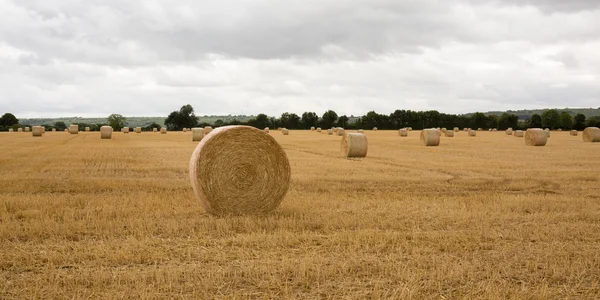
185, 118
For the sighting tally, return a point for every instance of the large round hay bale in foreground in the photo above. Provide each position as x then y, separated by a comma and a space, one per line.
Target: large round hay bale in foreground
106, 132
238, 170
535, 137
518, 133
36, 131
591, 135
73, 129
573, 133
163, 130
430, 137
285, 131
403, 132
354, 145
449, 133
198, 134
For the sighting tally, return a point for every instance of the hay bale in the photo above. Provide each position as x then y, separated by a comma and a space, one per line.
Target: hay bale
403, 132
36, 131
239, 170
430, 137
330, 131
154, 129
449, 133
444, 130
354, 145
591, 135
409, 128
341, 132
66, 130
573, 133
19, 129
455, 129
547, 130
535, 137
560, 129
479, 129
27, 129
319, 129
125, 130
11, 130
312, 128
495, 129
163, 130
518, 133
106, 132
472, 133
138, 130
53, 129
184, 129
87, 129
43, 129
285, 131
207, 130
465, 129
361, 131
197, 134
374, 128
509, 131
266, 129
73, 129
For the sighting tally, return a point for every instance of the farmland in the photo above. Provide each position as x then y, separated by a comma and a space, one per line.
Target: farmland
477, 217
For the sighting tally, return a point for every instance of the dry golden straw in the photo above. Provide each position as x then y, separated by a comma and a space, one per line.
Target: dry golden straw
518, 133
238, 170
455, 129
106, 132
409, 128
198, 134
591, 135
285, 131
73, 129
318, 129
125, 130
535, 137
19, 129
184, 129
354, 145
574, 133
11, 130
403, 132
36, 131
547, 130
163, 130
430, 137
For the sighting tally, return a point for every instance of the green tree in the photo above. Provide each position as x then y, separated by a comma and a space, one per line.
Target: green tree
551, 119
579, 122
290, 120
535, 121
219, 123
309, 119
8, 120
566, 120
342, 121
508, 121
329, 118
261, 121
116, 121
60, 126
184, 118
479, 120
593, 122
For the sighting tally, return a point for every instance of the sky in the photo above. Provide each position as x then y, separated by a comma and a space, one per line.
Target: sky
148, 58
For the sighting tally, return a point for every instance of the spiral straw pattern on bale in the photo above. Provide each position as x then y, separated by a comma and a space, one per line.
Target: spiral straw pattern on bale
354, 145
574, 133
449, 133
237, 170
73, 129
403, 132
430, 137
518, 133
591, 135
106, 132
197, 134
535, 137
36, 131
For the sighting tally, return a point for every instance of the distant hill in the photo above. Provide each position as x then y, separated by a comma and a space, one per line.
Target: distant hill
524, 114
131, 121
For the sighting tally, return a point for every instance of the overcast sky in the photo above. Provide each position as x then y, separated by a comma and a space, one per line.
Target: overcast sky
148, 58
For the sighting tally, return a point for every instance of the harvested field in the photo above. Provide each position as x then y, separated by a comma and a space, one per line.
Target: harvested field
118, 219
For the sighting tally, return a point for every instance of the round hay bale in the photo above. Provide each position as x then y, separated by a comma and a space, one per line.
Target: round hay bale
374, 128
409, 128
330, 131
125, 130
455, 129
266, 129
239, 170
354, 145
547, 132
403, 132
66, 130
53, 129
184, 129
87, 129
535, 137
207, 130
495, 129
490, 130
36, 131
73, 129
319, 129
449, 133
574, 133
138, 130
11, 130
472, 133
479, 129
43, 129
361, 131
163, 130
560, 129
154, 129
19, 129
198, 134
27, 129
341, 132
106, 132
285, 131
312, 128
518, 133
591, 135
509, 131
430, 137
444, 130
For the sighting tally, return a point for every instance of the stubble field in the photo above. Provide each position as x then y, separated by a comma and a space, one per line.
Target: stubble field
477, 217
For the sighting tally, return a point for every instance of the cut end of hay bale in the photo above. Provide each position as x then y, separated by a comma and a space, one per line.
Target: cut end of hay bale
535, 137
73, 129
591, 135
36, 131
198, 134
455, 129
106, 132
312, 128
509, 131
354, 145
154, 129
430, 137
238, 170
163, 130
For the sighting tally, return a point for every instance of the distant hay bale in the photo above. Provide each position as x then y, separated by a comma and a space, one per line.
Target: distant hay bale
198, 134
560, 129
479, 129
330, 131
509, 131
239, 170
361, 131
374, 128
138, 130
403, 132
312, 128
285, 131
27, 129
490, 129
319, 129
354, 145
207, 130
11, 130
574, 133
66, 130
19, 129
495, 129
465, 129
36, 131
455, 129
53, 129
154, 129
591, 135
472, 133
184, 129
535, 137
341, 132
547, 130
266, 129
430, 137
125, 130
163, 130
409, 128
518, 133
106, 132
444, 130
449, 133
73, 129
43, 129
87, 129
